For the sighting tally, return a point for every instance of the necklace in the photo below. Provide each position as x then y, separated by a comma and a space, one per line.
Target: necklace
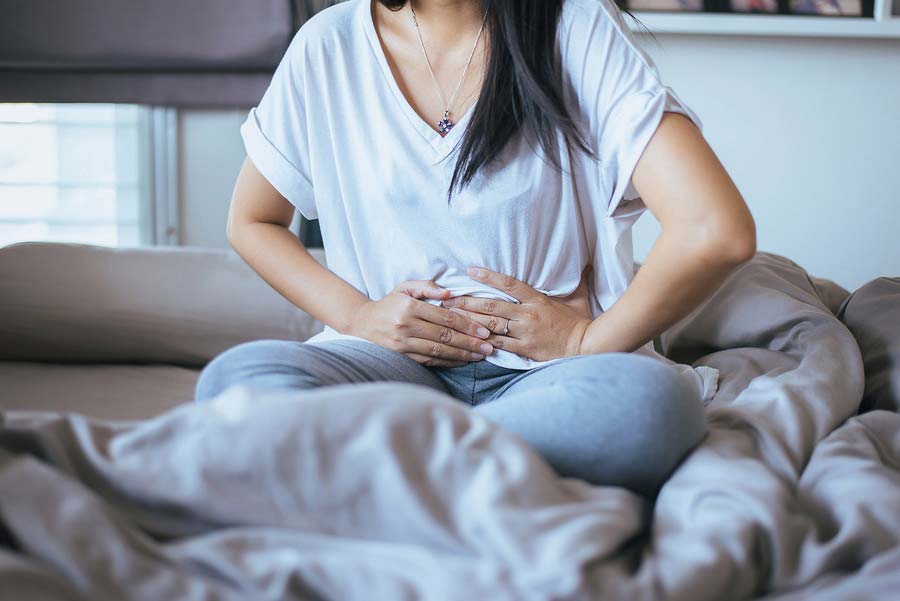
445, 124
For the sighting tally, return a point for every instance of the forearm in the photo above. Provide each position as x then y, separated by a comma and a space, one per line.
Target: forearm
678, 274
275, 253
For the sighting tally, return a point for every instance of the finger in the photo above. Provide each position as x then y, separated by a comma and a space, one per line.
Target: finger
494, 323
438, 350
425, 288
497, 338
443, 316
447, 335
485, 306
434, 361
437, 293
507, 343
516, 288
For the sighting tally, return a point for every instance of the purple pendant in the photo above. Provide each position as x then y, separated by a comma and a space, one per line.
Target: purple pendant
445, 125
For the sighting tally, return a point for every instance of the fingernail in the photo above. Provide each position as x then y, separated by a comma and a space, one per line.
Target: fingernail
486, 348
474, 271
450, 302
477, 356
484, 332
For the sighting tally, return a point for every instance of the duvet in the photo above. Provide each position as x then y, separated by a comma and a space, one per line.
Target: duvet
393, 491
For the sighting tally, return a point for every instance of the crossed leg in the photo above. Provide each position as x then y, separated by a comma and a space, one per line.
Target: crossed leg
290, 364
613, 418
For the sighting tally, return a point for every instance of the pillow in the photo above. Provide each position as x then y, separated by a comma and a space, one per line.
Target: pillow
872, 314
831, 293
66, 302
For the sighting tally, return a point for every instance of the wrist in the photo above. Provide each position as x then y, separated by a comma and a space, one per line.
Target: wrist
576, 344
355, 318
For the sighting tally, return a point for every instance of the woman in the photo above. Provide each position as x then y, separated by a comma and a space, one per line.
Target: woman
522, 137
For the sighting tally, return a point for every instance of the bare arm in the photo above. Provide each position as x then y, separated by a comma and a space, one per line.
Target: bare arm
257, 229
707, 232
258, 222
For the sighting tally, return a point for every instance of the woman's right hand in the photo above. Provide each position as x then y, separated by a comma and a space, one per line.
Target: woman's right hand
430, 334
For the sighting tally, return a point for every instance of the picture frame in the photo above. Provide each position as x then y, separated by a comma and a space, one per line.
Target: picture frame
819, 8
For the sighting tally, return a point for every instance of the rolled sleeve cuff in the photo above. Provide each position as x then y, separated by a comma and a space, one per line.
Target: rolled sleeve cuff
644, 123
276, 168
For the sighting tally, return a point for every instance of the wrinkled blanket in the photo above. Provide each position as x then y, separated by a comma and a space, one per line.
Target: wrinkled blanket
393, 491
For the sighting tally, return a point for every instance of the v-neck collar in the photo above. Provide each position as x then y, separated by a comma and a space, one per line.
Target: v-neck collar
442, 145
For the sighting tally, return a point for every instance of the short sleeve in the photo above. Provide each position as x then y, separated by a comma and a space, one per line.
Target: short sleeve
621, 93
275, 132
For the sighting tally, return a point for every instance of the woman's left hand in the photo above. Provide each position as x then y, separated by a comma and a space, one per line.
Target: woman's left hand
540, 326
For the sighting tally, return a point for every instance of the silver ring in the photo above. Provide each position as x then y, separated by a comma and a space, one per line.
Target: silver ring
506, 332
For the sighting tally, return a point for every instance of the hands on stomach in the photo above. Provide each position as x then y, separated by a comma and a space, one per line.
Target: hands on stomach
537, 326
431, 335
544, 327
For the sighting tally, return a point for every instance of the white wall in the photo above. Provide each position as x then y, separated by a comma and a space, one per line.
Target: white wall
809, 130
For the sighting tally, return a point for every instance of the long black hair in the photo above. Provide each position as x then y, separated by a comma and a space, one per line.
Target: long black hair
522, 86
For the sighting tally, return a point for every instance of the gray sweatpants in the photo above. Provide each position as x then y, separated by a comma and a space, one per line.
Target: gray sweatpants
618, 419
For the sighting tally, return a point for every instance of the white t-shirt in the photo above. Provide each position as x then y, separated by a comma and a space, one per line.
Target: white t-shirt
335, 135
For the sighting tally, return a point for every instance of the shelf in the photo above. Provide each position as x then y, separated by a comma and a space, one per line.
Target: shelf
764, 25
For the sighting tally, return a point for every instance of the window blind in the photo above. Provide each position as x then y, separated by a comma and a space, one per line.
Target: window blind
203, 53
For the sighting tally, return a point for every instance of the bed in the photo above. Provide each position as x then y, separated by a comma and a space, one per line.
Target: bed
394, 491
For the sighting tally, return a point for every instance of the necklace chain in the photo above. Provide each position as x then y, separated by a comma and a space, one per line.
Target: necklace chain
445, 124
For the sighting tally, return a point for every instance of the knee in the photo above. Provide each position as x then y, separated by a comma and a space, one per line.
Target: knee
671, 414
236, 363
657, 416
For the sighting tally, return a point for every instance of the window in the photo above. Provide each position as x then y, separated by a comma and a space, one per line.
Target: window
92, 173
